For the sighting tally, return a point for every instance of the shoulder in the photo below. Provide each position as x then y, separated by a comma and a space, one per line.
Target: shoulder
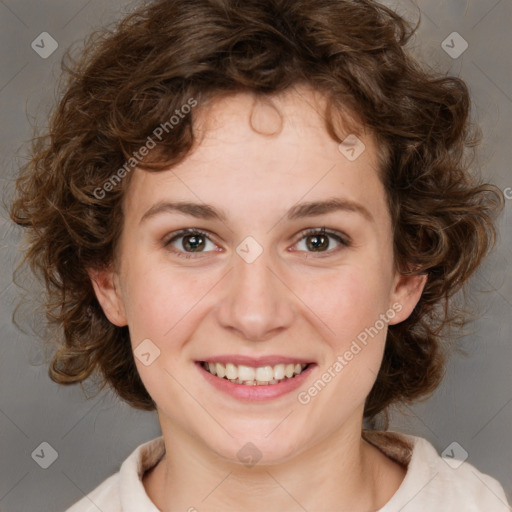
437, 483
104, 497
124, 490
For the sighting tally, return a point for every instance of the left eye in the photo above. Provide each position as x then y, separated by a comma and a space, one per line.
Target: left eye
191, 241
319, 240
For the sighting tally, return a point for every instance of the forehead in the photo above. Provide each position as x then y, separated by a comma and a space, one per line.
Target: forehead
253, 150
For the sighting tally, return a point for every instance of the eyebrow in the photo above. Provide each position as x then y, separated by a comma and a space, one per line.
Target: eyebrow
314, 208
200, 211
299, 211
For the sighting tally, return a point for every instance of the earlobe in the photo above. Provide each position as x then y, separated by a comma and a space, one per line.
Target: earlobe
407, 293
108, 293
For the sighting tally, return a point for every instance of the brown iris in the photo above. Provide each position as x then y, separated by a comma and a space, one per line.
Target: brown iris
193, 243
315, 242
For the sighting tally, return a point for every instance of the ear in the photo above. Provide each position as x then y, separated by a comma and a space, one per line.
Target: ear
107, 290
407, 292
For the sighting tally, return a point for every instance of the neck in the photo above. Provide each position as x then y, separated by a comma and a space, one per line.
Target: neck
343, 473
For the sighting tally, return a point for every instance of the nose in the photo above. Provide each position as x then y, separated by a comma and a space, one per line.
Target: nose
256, 304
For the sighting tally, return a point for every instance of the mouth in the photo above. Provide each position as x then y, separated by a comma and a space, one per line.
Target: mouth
252, 380
255, 376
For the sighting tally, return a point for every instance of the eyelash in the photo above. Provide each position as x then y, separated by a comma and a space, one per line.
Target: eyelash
181, 233
342, 239
339, 237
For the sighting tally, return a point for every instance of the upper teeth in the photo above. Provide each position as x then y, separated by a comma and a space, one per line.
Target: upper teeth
250, 375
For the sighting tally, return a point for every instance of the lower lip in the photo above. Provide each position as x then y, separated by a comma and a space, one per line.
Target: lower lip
256, 393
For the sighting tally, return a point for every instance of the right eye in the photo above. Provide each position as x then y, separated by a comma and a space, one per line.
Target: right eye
187, 241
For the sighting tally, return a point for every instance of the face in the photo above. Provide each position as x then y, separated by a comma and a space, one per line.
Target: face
287, 260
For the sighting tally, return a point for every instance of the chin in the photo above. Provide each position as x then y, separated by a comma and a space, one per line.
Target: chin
249, 450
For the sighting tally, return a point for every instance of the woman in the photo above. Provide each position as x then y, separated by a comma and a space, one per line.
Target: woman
251, 217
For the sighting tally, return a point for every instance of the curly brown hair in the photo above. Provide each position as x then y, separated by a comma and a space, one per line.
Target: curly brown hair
132, 76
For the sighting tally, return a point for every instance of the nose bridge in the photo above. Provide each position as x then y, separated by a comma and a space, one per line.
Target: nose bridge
255, 303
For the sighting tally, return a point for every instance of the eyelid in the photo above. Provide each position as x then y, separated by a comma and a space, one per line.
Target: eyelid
186, 231
167, 241
341, 237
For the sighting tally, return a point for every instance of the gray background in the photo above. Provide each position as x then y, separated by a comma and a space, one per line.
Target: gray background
92, 437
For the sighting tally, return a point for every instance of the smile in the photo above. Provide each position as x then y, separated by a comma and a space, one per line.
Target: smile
251, 376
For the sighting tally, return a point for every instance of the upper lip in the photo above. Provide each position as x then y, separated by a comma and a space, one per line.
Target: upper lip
255, 362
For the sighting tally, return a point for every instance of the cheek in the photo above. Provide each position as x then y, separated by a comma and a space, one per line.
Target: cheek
163, 306
347, 301
148, 308
350, 303
161, 301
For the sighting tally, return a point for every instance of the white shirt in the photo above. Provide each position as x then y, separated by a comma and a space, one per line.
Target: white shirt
431, 484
